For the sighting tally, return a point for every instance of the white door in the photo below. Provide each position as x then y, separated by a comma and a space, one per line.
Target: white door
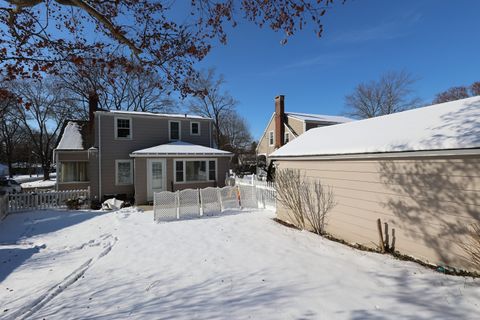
156, 176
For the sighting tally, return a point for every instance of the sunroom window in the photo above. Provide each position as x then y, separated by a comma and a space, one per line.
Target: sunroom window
73, 171
195, 170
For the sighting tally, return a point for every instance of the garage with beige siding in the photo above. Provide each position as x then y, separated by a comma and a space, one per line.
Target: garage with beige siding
418, 171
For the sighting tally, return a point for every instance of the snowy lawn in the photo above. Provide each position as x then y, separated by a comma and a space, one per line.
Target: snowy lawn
39, 184
241, 265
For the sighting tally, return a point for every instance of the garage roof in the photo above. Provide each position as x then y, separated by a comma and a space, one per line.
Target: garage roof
450, 125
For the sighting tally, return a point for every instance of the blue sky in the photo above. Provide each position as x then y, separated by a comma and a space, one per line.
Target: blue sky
437, 41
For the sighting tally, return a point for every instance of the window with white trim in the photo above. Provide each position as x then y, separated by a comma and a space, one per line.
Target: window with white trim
271, 140
73, 171
287, 137
123, 172
195, 128
195, 170
179, 171
123, 128
174, 130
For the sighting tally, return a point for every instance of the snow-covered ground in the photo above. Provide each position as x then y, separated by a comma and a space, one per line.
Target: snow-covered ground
40, 184
34, 177
241, 265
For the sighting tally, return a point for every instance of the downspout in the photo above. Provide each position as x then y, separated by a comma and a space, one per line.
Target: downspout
99, 158
210, 132
57, 168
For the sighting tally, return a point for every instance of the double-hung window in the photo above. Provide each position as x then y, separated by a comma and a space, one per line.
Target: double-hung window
287, 137
174, 130
123, 128
123, 172
195, 170
195, 128
271, 140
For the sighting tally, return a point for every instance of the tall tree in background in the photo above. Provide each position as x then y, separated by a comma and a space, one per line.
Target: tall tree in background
452, 94
47, 107
211, 100
475, 88
116, 88
393, 92
11, 129
38, 36
457, 93
234, 133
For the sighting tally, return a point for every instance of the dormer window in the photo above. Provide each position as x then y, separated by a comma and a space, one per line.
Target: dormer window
123, 128
195, 128
174, 130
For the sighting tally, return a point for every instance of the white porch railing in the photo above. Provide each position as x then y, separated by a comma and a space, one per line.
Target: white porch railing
43, 200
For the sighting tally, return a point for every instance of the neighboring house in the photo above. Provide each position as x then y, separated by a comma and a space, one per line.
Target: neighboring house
417, 170
134, 154
284, 127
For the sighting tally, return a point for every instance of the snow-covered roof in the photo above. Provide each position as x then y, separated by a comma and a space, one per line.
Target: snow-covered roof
451, 125
71, 137
318, 117
180, 148
164, 115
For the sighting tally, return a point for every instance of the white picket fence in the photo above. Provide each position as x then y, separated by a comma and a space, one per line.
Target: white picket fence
257, 191
195, 203
43, 200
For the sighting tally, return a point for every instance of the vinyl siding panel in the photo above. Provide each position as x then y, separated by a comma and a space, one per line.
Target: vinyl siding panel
147, 131
429, 201
141, 176
263, 144
296, 125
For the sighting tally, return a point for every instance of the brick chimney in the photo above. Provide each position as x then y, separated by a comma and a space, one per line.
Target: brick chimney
279, 118
92, 107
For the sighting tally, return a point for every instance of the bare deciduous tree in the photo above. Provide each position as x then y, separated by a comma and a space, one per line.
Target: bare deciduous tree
47, 107
287, 185
475, 88
452, 94
117, 89
11, 130
211, 100
393, 92
37, 35
305, 201
234, 133
318, 200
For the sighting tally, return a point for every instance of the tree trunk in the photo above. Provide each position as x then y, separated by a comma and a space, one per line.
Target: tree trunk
46, 170
10, 167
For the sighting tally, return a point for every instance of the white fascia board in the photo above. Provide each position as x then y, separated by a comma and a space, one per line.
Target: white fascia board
386, 155
265, 131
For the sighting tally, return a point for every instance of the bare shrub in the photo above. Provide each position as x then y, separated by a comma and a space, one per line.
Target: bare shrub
305, 201
472, 245
288, 182
318, 201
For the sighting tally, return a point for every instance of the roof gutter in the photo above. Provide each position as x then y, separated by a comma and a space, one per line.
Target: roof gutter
169, 154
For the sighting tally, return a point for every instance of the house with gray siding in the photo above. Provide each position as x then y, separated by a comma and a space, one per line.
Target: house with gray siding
134, 154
